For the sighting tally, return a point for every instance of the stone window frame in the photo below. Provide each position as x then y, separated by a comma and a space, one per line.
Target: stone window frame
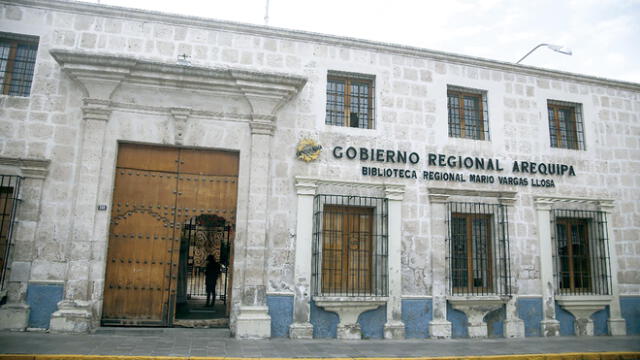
459, 92
347, 308
596, 242
573, 138
379, 242
348, 78
476, 307
10, 44
581, 306
471, 257
496, 212
34, 173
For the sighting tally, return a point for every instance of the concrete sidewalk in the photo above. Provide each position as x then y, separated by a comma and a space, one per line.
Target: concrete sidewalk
217, 343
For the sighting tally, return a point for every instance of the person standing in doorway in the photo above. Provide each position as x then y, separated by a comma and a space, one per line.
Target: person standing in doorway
211, 276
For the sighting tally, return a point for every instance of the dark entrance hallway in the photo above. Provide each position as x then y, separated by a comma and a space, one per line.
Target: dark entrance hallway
204, 236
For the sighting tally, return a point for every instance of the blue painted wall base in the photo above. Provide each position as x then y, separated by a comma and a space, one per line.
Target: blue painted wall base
530, 311
600, 325
458, 319
495, 322
43, 300
416, 315
325, 323
567, 321
372, 323
281, 312
630, 310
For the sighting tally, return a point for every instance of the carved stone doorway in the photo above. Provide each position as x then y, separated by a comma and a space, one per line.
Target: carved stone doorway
158, 192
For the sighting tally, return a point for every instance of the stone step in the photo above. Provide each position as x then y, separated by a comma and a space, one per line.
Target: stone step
189, 327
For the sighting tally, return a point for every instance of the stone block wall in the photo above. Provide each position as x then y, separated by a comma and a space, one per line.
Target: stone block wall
410, 115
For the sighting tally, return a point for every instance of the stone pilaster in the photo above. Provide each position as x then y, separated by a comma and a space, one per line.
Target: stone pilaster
513, 325
549, 325
14, 315
301, 327
617, 324
439, 327
394, 328
74, 311
253, 319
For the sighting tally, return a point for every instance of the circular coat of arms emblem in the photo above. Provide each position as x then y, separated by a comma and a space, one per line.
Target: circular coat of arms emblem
308, 150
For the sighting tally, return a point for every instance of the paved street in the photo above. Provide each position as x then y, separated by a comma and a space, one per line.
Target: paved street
216, 342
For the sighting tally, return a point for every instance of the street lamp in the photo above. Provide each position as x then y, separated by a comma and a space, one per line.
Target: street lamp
556, 48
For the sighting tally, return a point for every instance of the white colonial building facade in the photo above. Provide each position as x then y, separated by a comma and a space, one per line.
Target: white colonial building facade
345, 188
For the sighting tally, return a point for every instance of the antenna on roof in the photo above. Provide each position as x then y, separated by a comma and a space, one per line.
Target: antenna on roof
266, 14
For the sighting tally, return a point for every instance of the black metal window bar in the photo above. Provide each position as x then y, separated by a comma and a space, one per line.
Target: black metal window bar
9, 190
350, 100
350, 246
478, 256
581, 251
468, 113
17, 63
206, 235
565, 125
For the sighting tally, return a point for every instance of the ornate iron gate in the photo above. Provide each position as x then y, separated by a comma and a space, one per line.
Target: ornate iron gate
202, 236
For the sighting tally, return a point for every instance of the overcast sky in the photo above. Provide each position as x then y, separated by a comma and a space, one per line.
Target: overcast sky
603, 35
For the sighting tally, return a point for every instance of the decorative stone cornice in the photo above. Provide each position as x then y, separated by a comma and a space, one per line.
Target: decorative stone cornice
97, 76
543, 204
359, 184
180, 117
296, 35
267, 92
438, 198
262, 127
606, 206
505, 195
546, 202
95, 109
28, 168
101, 74
394, 192
507, 201
306, 186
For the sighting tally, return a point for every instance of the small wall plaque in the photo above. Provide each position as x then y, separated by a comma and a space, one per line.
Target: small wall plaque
102, 207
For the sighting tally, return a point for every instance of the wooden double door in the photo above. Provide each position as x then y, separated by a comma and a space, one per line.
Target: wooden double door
158, 190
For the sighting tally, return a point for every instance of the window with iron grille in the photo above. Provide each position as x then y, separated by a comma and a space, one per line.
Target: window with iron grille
9, 188
17, 62
565, 125
478, 249
350, 246
350, 100
468, 115
581, 252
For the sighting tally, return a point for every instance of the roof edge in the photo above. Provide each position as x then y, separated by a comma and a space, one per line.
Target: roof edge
299, 35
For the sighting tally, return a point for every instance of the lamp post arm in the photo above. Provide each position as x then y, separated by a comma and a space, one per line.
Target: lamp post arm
532, 50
